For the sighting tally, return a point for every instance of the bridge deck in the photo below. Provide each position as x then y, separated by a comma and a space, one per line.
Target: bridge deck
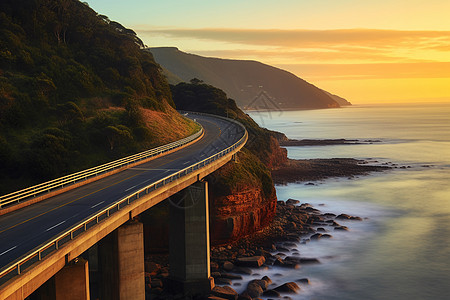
23, 230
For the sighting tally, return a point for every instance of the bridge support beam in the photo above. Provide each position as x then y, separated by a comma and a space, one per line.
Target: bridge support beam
72, 282
189, 246
121, 259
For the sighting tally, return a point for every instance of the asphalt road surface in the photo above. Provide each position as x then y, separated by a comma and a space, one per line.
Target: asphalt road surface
23, 230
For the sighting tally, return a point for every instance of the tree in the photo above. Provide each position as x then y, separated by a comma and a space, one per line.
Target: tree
117, 135
196, 81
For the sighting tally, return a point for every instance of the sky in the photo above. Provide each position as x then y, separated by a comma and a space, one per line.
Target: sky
380, 51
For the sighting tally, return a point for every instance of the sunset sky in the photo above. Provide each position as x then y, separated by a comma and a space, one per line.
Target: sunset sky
365, 51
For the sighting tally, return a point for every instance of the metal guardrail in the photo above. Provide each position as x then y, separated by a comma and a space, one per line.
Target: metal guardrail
58, 183
40, 252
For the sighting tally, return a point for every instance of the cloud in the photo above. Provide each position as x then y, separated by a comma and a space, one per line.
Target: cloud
281, 55
384, 39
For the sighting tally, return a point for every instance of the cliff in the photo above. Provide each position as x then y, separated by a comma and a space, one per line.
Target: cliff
252, 84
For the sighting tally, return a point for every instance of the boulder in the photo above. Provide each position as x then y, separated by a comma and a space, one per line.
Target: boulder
292, 202
253, 261
225, 292
288, 288
254, 290
267, 279
243, 270
348, 217
262, 283
309, 261
344, 228
244, 296
303, 281
228, 266
316, 236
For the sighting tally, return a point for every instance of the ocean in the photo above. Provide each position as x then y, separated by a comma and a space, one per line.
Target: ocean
401, 250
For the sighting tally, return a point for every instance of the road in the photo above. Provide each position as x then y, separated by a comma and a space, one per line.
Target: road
23, 230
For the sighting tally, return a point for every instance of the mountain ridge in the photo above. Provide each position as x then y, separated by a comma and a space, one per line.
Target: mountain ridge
246, 81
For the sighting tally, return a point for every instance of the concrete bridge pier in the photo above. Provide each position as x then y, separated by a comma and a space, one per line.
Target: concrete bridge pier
189, 246
121, 263
70, 283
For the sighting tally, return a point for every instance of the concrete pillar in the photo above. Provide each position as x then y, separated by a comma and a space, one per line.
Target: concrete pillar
72, 282
189, 246
130, 238
121, 260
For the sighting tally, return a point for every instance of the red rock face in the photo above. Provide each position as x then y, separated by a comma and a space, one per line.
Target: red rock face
238, 215
278, 155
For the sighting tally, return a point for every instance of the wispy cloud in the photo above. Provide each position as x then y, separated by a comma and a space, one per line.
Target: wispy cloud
311, 38
331, 45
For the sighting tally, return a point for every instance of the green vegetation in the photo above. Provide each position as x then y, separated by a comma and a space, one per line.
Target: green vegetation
256, 157
201, 97
76, 90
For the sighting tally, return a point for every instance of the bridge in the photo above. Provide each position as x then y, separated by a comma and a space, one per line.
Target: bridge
47, 231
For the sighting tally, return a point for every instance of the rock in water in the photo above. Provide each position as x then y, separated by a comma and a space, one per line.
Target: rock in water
225, 292
254, 289
228, 266
253, 261
303, 281
288, 288
292, 202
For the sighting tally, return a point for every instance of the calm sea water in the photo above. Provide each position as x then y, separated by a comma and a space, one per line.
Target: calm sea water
402, 249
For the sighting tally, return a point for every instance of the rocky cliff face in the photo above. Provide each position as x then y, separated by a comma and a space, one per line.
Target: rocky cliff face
277, 156
248, 203
240, 214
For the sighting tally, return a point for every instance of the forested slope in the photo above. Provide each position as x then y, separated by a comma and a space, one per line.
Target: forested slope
76, 90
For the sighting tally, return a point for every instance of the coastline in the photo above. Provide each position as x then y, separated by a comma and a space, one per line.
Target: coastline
303, 170
275, 244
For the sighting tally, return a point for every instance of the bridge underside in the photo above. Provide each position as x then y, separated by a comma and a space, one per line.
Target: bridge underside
119, 257
38, 274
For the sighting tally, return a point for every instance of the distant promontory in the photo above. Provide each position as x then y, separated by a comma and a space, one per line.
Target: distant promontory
252, 84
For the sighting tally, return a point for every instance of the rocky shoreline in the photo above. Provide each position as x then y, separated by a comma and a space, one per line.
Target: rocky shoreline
275, 245
327, 142
296, 170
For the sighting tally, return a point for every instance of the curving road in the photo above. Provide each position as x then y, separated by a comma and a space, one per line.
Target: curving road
23, 230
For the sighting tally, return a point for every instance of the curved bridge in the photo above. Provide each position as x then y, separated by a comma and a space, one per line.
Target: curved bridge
40, 241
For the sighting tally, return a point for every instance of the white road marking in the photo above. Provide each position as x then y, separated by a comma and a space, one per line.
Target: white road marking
186, 162
130, 188
8, 250
55, 226
97, 204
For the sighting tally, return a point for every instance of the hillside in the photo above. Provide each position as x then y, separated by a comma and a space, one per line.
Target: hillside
242, 194
252, 84
76, 90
